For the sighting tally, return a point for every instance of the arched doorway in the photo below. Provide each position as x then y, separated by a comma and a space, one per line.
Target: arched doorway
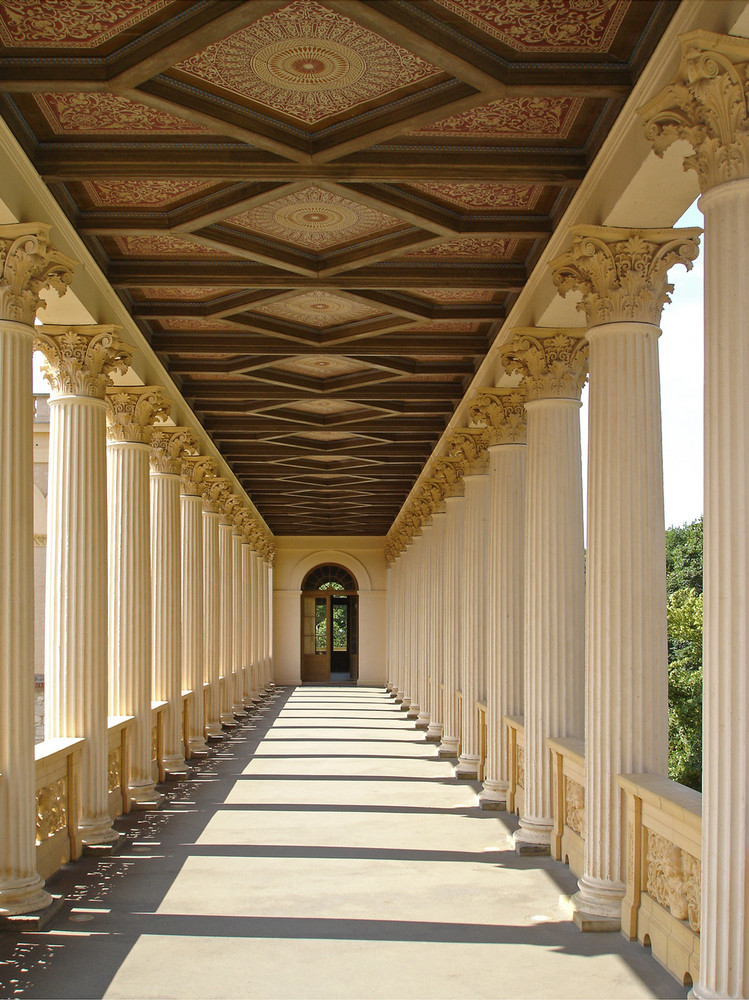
330, 626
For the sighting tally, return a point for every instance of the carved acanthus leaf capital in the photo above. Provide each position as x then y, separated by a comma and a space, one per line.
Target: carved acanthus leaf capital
468, 448
29, 265
169, 446
707, 104
214, 490
553, 362
434, 494
133, 410
622, 272
80, 359
449, 473
502, 412
230, 504
194, 472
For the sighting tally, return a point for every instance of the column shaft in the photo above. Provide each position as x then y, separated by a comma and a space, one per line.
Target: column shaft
473, 635
237, 625
554, 602
504, 694
247, 685
130, 606
21, 888
166, 603
192, 617
226, 628
436, 703
76, 598
211, 622
453, 623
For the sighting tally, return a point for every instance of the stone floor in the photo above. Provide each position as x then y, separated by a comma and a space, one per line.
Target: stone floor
323, 851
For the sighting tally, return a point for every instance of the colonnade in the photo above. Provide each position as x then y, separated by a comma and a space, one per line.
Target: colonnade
158, 575
576, 644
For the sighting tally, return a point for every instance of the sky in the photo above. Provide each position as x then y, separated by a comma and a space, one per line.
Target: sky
681, 361
681, 354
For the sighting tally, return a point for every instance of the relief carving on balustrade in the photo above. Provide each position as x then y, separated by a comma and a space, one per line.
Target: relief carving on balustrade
673, 879
51, 809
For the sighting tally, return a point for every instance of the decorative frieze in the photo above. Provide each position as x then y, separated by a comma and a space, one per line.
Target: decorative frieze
621, 273
133, 410
29, 265
673, 879
502, 412
80, 359
706, 104
553, 362
169, 446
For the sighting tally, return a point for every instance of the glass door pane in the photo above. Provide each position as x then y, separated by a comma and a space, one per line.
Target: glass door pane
321, 625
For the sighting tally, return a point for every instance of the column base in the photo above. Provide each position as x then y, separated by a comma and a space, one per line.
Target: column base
405, 704
239, 711
144, 798
213, 731
98, 836
228, 721
20, 896
597, 906
198, 748
247, 702
700, 992
413, 712
434, 733
493, 796
34, 920
448, 747
532, 838
467, 767
423, 721
106, 849
393, 693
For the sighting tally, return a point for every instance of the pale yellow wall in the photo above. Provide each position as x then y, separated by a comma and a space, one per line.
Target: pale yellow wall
295, 557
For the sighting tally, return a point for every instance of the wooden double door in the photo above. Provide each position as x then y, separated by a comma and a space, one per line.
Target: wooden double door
330, 636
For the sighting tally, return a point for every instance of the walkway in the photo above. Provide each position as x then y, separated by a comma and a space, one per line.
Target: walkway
324, 851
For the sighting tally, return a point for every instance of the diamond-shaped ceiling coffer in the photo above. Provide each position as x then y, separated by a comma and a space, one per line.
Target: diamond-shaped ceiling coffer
319, 309
306, 63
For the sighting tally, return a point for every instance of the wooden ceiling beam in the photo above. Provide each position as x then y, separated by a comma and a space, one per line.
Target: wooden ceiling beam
251, 392
402, 345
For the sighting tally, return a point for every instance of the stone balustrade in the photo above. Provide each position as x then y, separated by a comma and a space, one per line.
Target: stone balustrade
118, 748
158, 718
515, 727
661, 908
568, 772
58, 803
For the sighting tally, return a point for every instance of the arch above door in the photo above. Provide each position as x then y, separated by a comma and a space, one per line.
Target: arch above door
327, 556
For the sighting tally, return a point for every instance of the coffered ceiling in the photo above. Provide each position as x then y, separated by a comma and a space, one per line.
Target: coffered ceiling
319, 212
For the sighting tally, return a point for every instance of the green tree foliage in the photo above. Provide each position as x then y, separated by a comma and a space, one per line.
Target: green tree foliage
684, 557
684, 586
685, 687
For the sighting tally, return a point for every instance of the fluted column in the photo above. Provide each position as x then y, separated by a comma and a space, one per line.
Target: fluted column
553, 363
212, 494
436, 699
449, 473
246, 562
426, 624
238, 617
269, 616
131, 412
168, 447
257, 687
708, 104
226, 614
195, 469
29, 264
503, 413
622, 276
468, 447
79, 361
415, 555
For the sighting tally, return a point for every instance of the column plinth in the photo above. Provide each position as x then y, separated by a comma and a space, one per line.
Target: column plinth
131, 413
79, 361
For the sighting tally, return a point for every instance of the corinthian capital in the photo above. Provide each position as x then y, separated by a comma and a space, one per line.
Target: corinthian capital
133, 410
433, 492
468, 447
553, 362
706, 104
448, 472
230, 505
502, 412
169, 445
29, 265
195, 470
80, 359
214, 490
622, 272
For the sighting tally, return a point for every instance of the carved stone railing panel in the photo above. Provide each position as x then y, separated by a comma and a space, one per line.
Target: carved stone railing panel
672, 877
574, 806
568, 771
115, 769
520, 767
51, 809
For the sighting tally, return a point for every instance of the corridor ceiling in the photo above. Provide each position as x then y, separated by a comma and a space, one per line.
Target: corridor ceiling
319, 213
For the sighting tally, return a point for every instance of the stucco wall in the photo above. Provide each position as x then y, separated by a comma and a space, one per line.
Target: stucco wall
295, 557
